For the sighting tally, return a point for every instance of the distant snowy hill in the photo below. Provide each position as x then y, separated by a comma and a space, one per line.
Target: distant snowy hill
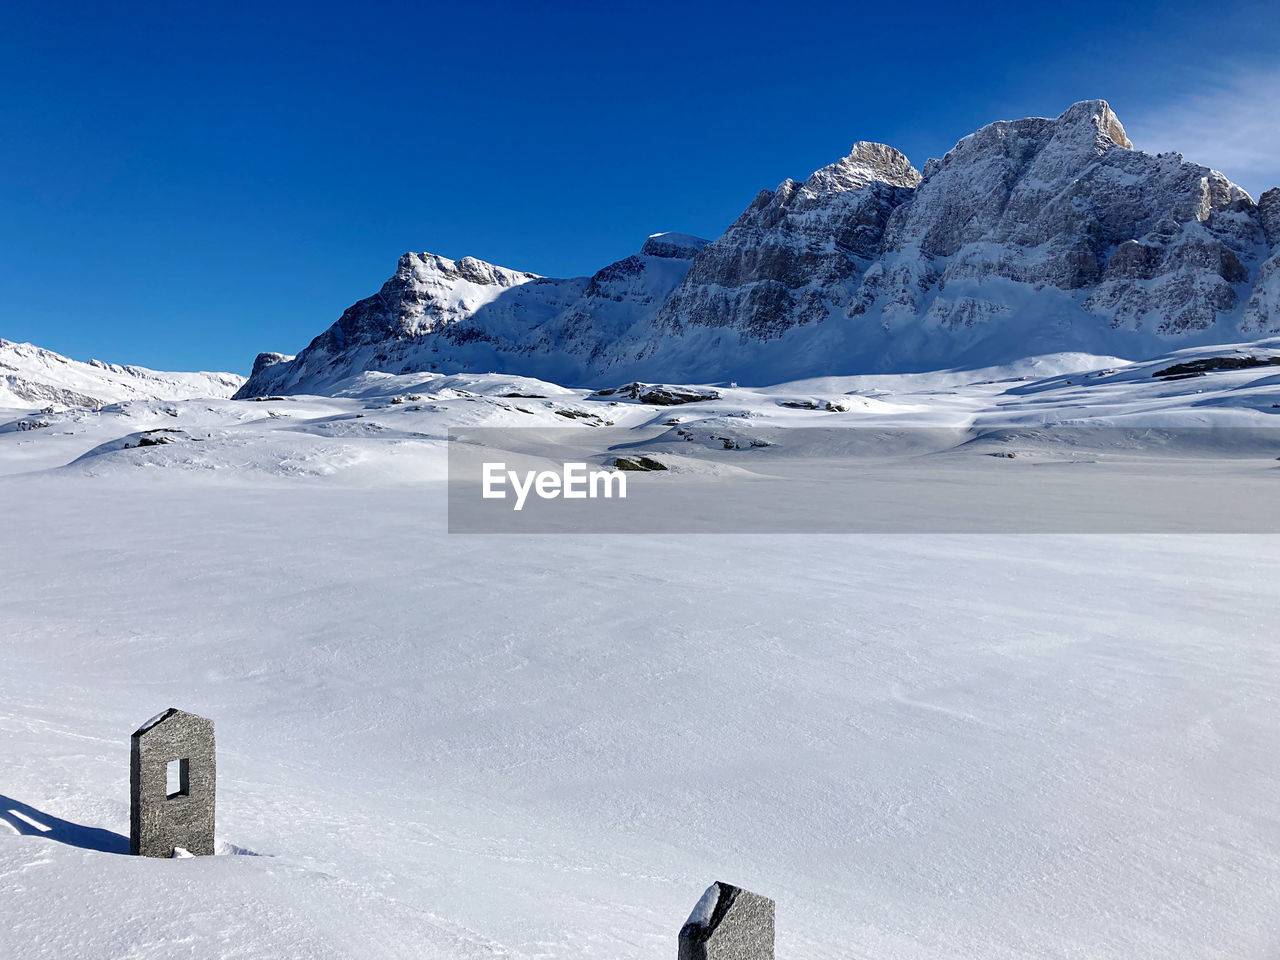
33, 377
1029, 237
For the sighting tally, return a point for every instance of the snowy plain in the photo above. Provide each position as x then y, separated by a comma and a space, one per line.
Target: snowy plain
922, 746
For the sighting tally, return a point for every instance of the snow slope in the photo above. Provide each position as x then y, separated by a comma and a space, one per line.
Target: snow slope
435, 745
32, 377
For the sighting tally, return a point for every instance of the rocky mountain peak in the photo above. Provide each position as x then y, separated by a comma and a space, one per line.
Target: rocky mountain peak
1088, 128
866, 163
1096, 115
673, 246
1029, 236
429, 267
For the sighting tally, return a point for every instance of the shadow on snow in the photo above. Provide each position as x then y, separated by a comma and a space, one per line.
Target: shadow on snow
26, 820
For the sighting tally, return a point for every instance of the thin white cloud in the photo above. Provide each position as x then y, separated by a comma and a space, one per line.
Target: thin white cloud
1231, 124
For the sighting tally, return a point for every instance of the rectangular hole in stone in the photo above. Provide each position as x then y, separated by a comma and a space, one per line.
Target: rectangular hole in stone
176, 778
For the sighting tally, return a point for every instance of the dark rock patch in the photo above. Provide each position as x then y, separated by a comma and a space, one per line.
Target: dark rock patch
1193, 368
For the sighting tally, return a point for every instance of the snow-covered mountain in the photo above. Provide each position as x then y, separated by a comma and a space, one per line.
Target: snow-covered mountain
1029, 237
468, 315
33, 377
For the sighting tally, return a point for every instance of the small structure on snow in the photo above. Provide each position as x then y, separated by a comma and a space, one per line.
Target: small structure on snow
728, 923
171, 786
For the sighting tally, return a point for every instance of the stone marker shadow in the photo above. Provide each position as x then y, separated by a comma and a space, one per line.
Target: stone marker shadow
28, 821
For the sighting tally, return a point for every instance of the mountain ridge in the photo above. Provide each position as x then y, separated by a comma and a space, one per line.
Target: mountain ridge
32, 376
1029, 236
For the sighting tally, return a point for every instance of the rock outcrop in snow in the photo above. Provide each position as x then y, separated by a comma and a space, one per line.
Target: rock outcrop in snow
33, 377
1030, 236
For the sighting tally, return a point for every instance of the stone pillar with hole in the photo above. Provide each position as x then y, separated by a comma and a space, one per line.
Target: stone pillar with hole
171, 786
728, 923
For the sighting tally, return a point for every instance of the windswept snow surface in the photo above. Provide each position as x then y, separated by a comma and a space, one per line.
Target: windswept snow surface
442, 746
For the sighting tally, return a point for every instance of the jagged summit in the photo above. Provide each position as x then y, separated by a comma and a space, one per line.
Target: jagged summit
468, 268
1090, 126
1029, 236
1103, 118
1091, 123
866, 163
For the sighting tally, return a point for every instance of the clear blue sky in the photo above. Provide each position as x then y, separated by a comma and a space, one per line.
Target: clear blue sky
188, 184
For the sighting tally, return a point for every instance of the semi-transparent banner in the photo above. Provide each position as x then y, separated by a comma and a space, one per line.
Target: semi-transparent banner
733, 478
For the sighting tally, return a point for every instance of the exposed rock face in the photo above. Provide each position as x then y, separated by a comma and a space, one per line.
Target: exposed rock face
1262, 313
1269, 215
790, 257
1153, 241
264, 360
659, 394
1029, 236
